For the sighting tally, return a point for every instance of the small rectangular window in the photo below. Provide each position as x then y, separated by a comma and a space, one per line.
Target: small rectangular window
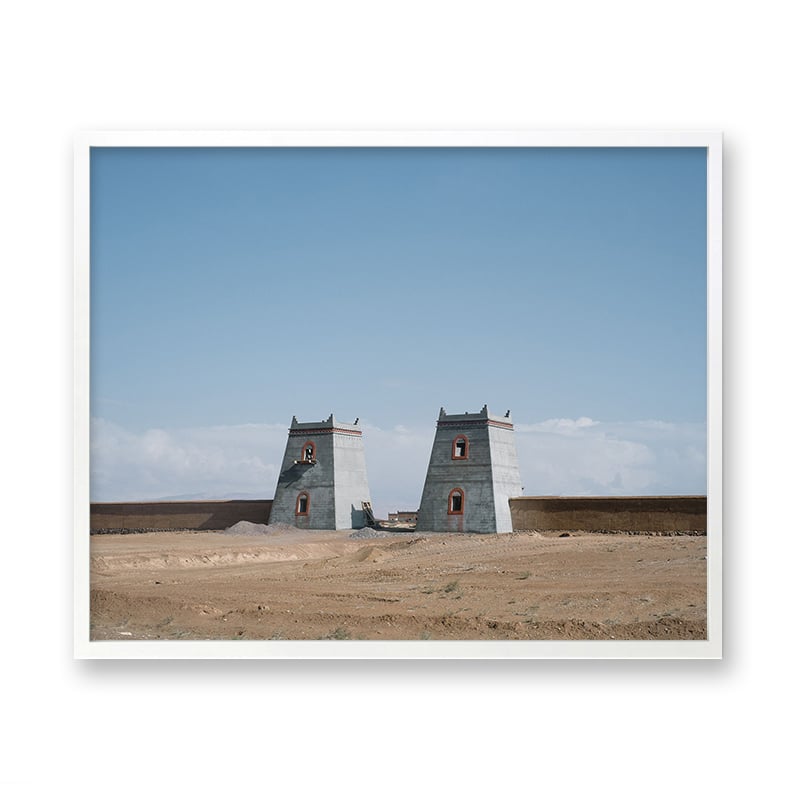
460, 448
302, 505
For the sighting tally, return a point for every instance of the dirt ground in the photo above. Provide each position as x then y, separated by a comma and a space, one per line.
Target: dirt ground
324, 585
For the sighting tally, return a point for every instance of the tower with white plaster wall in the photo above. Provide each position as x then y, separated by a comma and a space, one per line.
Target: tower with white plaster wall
472, 474
323, 479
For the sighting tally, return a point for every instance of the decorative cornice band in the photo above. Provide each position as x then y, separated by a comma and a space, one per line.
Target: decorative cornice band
476, 423
323, 430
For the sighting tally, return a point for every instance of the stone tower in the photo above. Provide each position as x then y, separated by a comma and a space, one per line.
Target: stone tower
473, 472
323, 478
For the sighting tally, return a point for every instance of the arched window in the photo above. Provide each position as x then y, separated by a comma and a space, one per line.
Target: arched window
302, 504
308, 453
455, 502
460, 448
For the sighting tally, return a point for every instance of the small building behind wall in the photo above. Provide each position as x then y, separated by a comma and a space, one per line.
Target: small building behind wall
404, 515
323, 480
472, 474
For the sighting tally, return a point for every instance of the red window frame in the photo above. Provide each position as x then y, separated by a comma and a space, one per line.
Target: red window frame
298, 503
465, 455
450, 511
305, 447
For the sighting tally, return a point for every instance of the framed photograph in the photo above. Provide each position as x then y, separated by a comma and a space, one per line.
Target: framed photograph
398, 395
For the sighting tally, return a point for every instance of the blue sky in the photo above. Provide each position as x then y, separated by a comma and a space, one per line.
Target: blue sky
233, 288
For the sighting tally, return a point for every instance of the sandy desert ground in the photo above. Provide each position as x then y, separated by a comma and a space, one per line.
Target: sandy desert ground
297, 584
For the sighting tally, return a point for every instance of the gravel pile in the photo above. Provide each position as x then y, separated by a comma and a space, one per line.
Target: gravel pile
250, 528
367, 533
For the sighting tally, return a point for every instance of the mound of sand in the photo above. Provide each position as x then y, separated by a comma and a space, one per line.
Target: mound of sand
371, 554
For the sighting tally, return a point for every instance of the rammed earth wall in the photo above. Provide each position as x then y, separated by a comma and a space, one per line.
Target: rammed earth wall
139, 516
668, 515
633, 514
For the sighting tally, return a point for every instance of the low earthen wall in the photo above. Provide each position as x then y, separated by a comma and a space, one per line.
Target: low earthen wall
131, 516
666, 515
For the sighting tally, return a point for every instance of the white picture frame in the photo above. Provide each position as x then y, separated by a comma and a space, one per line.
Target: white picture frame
85, 648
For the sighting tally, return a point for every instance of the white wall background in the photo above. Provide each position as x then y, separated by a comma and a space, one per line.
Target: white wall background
392, 726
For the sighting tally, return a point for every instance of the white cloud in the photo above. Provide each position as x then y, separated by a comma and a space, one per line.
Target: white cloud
557, 456
558, 425
204, 462
585, 457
